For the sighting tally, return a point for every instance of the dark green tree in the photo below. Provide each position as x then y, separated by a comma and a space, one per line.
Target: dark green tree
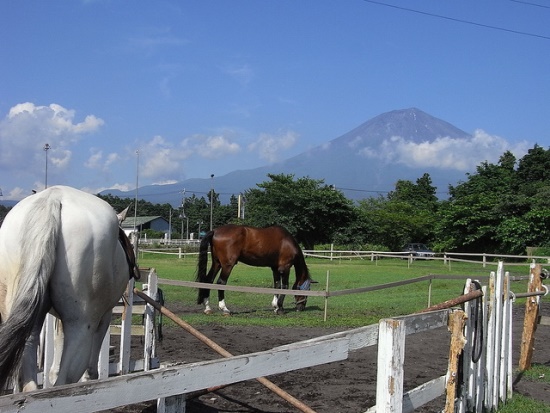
311, 210
3, 212
499, 209
407, 214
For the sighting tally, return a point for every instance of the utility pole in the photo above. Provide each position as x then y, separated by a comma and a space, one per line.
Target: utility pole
211, 199
47, 147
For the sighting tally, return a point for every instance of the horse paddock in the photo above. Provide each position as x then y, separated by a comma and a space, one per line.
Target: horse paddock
348, 385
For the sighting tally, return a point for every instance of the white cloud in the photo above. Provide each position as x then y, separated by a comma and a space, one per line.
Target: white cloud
462, 154
269, 146
159, 159
242, 73
162, 161
100, 162
28, 127
214, 147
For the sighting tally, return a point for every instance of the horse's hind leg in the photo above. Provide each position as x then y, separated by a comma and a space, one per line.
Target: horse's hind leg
222, 280
26, 380
77, 341
280, 281
27, 377
92, 372
204, 294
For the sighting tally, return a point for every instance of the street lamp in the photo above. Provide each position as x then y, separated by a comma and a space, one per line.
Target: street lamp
211, 198
47, 147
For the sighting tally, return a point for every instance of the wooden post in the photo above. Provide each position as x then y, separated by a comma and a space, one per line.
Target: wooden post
149, 349
126, 331
430, 293
391, 356
497, 367
456, 327
326, 298
467, 365
530, 320
49, 348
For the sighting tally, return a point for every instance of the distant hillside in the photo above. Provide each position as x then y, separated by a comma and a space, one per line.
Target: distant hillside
353, 162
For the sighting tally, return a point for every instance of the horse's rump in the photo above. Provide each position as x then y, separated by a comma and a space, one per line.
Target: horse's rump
59, 248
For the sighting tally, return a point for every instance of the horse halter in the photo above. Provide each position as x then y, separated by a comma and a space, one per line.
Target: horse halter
304, 287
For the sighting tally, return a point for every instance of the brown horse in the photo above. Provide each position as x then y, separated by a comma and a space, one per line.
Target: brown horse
272, 247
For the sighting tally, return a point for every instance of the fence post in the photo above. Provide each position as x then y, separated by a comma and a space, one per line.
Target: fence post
506, 377
149, 349
126, 331
430, 292
456, 327
530, 320
326, 297
49, 348
391, 356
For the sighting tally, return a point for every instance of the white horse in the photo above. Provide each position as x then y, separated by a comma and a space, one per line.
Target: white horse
61, 250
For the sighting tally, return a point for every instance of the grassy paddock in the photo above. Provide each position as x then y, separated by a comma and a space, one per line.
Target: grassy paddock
344, 311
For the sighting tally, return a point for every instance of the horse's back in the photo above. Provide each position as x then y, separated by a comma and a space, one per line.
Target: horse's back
268, 246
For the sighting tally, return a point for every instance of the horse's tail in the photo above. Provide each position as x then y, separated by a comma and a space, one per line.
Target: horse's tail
203, 262
40, 228
302, 271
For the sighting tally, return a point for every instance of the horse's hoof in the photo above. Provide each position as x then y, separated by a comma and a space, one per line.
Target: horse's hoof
279, 311
208, 312
226, 314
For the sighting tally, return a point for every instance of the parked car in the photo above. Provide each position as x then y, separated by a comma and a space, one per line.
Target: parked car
418, 249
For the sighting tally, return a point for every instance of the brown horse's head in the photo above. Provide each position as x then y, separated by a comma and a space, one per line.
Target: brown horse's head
301, 300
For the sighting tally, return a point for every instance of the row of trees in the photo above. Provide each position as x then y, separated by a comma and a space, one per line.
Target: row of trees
500, 208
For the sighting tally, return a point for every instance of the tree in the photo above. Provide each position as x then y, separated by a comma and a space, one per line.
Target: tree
406, 214
3, 212
469, 220
312, 211
500, 208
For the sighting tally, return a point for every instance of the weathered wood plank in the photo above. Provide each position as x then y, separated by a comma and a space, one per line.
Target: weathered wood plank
420, 395
138, 387
135, 330
391, 356
456, 327
530, 321
368, 336
423, 394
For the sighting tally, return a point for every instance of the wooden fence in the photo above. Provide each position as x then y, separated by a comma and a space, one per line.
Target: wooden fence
485, 383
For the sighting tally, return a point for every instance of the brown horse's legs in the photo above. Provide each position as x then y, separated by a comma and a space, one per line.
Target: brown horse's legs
280, 281
222, 280
204, 293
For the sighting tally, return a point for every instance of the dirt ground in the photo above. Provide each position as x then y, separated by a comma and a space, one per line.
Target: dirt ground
347, 386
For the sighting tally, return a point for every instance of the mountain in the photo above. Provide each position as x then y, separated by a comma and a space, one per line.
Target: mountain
361, 163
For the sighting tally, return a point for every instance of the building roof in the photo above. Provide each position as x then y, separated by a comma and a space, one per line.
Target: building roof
129, 221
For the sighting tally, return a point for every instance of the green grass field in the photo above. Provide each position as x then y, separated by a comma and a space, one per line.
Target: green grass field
343, 311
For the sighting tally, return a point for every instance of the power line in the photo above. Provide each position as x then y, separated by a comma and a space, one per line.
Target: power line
531, 4
487, 26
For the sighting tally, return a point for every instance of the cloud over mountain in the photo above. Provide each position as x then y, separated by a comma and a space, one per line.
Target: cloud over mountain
368, 160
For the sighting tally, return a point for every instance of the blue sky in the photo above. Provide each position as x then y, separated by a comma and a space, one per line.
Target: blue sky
205, 87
